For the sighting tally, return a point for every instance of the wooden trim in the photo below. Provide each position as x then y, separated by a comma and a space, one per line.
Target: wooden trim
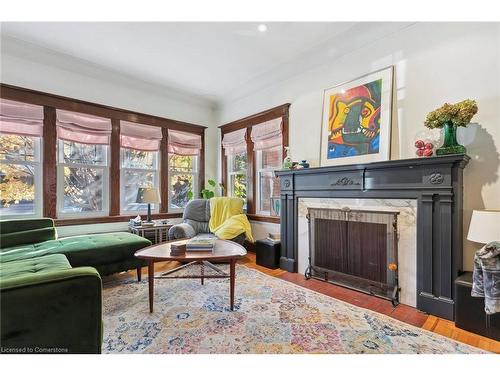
49, 168
224, 168
111, 219
251, 187
264, 218
61, 102
279, 111
114, 169
201, 165
164, 172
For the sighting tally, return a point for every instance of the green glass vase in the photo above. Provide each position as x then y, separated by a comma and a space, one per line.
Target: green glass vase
450, 144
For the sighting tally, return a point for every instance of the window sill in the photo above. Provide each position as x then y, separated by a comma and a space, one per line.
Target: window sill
264, 218
111, 219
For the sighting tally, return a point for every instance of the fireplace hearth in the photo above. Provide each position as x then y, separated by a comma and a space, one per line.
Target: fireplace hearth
355, 248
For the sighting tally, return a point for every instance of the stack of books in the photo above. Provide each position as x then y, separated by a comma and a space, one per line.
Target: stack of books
177, 249
200, 244
274, 237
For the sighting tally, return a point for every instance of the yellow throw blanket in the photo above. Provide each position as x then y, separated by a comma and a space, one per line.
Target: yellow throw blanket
227, 219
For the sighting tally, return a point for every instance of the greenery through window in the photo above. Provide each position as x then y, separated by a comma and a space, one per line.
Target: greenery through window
183, 171
20, 182
237, 172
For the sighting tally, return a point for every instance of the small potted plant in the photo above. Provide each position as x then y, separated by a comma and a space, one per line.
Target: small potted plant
450, 117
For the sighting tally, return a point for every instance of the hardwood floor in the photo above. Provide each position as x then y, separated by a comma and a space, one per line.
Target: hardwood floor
403, 313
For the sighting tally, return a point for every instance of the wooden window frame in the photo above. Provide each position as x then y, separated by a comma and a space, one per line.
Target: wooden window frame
247, 123
51, 102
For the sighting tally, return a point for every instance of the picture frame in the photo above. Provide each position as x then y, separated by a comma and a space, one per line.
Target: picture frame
357, 120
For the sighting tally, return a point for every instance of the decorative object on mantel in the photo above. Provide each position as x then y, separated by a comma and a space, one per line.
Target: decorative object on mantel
356, 126
287, 161
485, 228
424, 148
450, 117
304, 164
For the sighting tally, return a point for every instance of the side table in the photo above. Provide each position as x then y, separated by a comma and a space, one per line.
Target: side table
157, 233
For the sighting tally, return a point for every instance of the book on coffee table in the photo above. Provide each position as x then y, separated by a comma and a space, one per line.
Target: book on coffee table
200, 244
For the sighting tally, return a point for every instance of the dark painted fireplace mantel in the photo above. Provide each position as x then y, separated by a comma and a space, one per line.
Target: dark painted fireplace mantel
437, 185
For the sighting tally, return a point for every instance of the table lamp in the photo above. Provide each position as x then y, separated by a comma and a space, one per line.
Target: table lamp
484, 226
148, 195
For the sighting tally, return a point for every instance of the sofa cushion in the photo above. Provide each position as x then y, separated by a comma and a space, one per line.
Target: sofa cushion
27, 267
85, 250
26, 231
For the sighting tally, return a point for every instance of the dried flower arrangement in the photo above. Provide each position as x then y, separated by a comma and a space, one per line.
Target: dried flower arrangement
458, 114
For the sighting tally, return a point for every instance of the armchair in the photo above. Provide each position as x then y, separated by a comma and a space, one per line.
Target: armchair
195, 221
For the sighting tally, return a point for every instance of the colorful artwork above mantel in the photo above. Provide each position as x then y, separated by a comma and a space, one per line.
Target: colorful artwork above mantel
356, 124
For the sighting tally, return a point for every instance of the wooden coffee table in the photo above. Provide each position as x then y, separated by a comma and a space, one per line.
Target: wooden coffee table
224, 251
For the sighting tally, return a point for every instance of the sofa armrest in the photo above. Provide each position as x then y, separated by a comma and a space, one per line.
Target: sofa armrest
52, 312
182, 230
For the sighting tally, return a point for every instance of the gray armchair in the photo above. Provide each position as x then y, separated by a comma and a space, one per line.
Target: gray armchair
195, 221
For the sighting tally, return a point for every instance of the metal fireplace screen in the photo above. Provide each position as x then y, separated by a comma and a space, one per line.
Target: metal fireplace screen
355, 248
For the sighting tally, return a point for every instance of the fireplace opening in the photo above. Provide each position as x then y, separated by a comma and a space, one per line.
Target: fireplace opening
357, 249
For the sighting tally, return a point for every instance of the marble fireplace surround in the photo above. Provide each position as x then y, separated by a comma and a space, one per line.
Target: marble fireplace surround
435, 184
407, 235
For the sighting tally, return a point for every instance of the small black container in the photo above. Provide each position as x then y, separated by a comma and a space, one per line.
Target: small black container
268, 253
469, 311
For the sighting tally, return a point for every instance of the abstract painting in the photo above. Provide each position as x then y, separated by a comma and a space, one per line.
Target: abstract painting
357, 120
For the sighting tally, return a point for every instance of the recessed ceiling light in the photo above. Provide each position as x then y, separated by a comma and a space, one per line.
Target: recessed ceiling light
262, 27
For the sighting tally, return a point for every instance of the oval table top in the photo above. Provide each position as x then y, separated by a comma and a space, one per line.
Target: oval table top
223, 250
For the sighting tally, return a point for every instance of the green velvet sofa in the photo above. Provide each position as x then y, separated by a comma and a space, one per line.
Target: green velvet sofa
50, 288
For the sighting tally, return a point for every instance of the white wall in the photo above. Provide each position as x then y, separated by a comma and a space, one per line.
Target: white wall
25, 65
434, 63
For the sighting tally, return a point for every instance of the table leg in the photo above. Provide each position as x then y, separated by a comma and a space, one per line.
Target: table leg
151, 280
202, 266
232, 271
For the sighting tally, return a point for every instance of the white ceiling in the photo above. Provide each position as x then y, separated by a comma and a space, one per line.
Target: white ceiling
216, 61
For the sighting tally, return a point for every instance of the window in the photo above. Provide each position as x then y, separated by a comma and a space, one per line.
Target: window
21, 127
74, 161
183, 179
140, 145
183, 159
82, 173
82, 178
268, 186
138, 169
253, 146
20, 176
237, 175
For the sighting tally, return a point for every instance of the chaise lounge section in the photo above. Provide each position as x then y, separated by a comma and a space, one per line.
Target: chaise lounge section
51, 288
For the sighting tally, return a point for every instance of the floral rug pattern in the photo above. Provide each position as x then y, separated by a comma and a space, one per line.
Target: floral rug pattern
270, 316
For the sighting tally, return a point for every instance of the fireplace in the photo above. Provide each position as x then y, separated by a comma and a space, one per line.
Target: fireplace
435, 184
354, 248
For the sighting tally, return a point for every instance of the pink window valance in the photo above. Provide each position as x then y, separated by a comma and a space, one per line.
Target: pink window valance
267, 134
140, 137
19, 118
83, 128
235, 143
182, 143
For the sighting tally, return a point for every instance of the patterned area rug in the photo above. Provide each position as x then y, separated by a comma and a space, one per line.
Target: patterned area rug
271, 316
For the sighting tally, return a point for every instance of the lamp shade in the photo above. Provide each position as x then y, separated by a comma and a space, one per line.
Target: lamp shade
484, 226
148, 195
